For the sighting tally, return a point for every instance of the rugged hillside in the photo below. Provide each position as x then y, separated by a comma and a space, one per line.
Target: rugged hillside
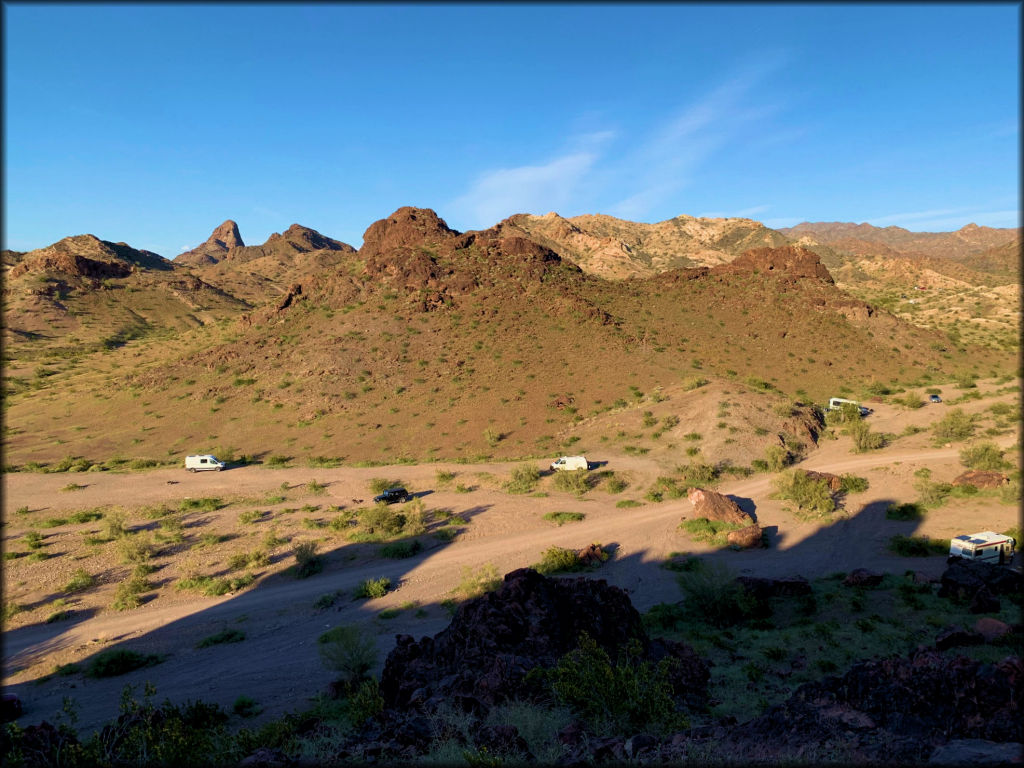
224, 238
429, 343
261, 273
82, 294
614, 248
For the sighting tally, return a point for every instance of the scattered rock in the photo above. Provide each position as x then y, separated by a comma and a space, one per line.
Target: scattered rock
984, 602
862, 577
715, 506
763, 588
962, 579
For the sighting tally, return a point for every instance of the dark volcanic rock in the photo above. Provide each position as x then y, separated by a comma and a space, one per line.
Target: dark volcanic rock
982, 478
405, 229
223, 239
955, 637
494, 640
964, 578
862, 577
791, 260
303, 239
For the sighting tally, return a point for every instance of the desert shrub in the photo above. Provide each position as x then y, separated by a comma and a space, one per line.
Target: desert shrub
955, 425
712, 531
172, 530
863, 438
373, 588
918, 546
212, 587
477, 582
680, 561
932, 495
10, 610
348, 651
307, 563
129, 591
693, 382
208, 504
985, 455
561, 518
414, 518
271, 539
909, 400
246, 706
80, 580
323, 462
908, 511
135, 549
224, 636
627, 504
118, 661
559, 560
443, 477
626, 697
776, 457
53, 618
853, 484
696, 474
808, 493
53, 522
277, 461
113, 525
315, 488
381, 484
381, 521
258, 558
524, 479
33, 539
615, 484
575, 481
712, 593
398, 550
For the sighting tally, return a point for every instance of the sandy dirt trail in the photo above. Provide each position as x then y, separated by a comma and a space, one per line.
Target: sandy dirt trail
278, 664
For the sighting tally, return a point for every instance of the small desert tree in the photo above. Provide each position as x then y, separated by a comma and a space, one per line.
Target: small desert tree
985, 455
347, 651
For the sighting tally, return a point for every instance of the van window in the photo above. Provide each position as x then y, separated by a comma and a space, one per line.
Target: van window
202, 461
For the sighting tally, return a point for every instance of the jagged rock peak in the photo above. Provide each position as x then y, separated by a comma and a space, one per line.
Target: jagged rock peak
299, 235
226, 236
405, 228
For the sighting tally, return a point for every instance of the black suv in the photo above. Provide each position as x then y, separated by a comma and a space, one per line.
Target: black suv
391, 495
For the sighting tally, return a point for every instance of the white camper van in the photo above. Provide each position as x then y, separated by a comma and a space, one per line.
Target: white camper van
200, 463
837, 403
987, 546
570, 463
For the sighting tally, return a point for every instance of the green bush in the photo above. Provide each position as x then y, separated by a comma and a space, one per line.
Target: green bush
245, 706
477, 582
627, 504
954, 426
373, 588
118, 661
853, 484
776, 457
696, 474
212, 587
987, 455
615, 484
561, 518
399, 550
135, 549
200, 505
918, 546
624, 698
559, 560
224, 636
348, 651
810, 494
315, 488
693, 382
863, 438
712, 593
127, 595
524, 479
80, 581
908, 511
33, 539
932, 495
711, 531
381, 484
575, 481
443, 477
307, 563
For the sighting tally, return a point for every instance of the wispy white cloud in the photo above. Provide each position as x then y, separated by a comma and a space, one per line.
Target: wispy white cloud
641, 175
530, 188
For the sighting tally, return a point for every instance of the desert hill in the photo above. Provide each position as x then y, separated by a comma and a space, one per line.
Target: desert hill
223, 239
430, 343
615, 248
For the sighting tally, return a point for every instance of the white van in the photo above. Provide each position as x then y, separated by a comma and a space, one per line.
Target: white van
200, 463
570, 463
987, 546
837, 403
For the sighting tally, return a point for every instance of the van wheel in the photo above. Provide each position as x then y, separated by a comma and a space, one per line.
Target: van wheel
193, 469
219, 468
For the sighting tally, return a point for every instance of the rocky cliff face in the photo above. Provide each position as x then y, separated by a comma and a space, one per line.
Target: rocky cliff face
87, 257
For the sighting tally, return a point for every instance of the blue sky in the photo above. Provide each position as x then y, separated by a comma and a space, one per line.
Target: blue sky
152, 124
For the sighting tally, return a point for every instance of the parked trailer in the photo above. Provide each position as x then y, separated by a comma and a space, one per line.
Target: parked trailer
987, 546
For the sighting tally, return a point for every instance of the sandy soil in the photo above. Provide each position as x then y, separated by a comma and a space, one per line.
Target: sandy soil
278, 664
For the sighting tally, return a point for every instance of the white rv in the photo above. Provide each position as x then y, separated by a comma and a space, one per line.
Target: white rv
202, 463
570, 463
837, 403
987, 546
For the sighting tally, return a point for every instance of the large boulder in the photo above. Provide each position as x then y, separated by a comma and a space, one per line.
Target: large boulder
404, 230
789, 260
745, 538
862, 577
715, 506
963, 579
834, 482
530, 621
982, 478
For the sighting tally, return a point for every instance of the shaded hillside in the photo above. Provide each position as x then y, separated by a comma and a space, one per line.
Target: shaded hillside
614, 248
223, 239
429, 343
